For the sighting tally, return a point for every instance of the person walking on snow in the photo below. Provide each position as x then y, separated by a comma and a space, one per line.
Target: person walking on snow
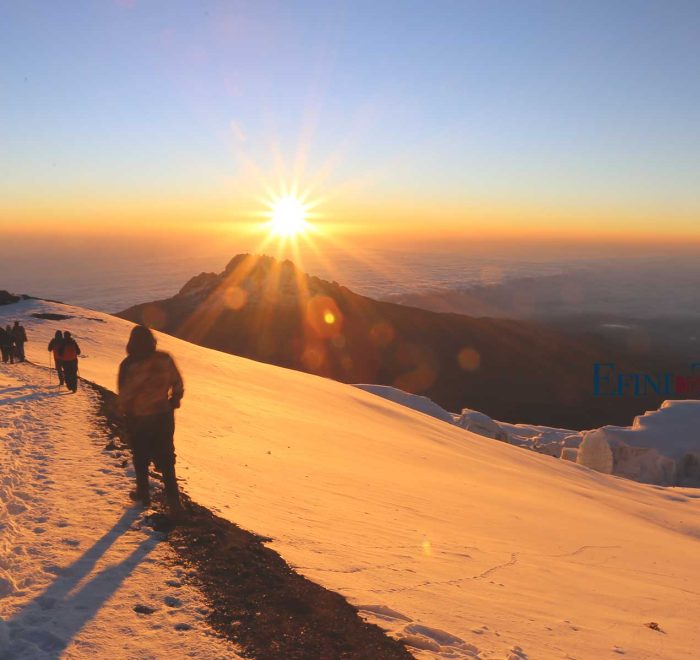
150, 388
19, 334
69, 352
6, 344
55, 347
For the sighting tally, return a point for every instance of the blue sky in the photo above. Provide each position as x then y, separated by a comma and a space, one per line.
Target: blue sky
558, 104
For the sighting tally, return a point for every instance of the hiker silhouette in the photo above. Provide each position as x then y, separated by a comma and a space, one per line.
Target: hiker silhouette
19, 335
69, 352
150, 389
55, 347
7, 344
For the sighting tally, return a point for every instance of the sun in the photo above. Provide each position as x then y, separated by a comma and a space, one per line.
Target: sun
288, 216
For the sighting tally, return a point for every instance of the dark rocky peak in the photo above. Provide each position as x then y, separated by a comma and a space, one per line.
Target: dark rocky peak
258, 277
6, 298
199, 283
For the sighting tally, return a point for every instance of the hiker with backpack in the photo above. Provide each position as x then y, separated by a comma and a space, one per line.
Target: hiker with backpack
69, 352
6, 344
19, 335
55, 347
150, 388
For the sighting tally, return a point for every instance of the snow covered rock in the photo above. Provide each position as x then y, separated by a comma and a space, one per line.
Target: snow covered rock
643, 464
478, 422
689, 471
548, 448
661, 446
569, 454
529, 435
595, 452
573, 440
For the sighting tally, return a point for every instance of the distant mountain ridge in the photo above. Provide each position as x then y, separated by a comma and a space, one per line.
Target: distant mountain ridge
519, 371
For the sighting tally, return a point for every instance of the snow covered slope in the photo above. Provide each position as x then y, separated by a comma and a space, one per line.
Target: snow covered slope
460, 544
413, 401
661, 447
81, 572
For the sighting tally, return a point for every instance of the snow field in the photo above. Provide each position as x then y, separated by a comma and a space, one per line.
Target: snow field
461, 545
76, 557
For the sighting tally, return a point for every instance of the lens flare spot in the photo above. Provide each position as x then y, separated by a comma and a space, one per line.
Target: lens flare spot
469, 359
235, 298
426, 547
324, 317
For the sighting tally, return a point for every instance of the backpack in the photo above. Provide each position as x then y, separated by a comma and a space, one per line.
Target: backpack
69, 350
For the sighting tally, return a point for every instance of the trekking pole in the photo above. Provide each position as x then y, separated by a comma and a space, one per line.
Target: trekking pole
50, 375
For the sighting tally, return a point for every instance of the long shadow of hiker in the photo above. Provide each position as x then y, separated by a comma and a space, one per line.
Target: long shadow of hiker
48, 623
34, 396
6, 390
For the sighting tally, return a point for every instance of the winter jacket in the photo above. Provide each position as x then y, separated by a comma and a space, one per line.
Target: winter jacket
56, 346
68, 350
149, 385
19, 334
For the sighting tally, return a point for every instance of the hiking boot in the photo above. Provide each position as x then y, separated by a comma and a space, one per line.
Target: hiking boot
176, 512
145, 499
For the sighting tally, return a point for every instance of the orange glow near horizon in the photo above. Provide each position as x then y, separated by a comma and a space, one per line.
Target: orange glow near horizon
380, 220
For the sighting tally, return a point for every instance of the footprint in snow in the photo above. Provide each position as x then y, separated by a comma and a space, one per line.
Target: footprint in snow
172, 601
144, 609
438, 641
384, 612
15, 508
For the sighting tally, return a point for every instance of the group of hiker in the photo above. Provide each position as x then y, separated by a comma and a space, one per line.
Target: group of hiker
63, 348
65, 351
12, 341
150, 389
